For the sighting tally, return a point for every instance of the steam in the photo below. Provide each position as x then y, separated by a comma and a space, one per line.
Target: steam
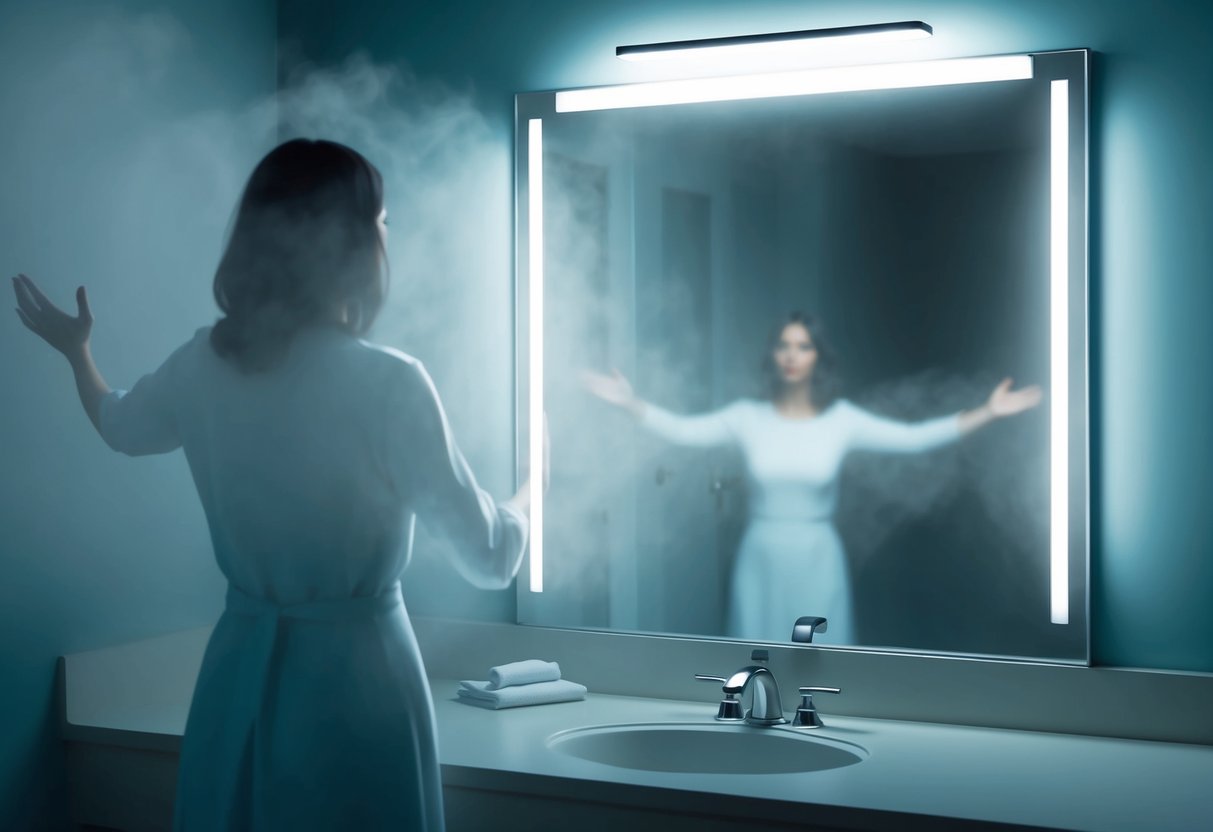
448, 192
169, 195
986, 496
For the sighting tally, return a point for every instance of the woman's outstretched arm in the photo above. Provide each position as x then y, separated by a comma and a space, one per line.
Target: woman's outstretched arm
703, 430
870, 432
68, 335
1002, 402
485, 538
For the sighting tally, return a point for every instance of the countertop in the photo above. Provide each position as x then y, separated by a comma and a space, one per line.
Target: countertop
135, 697
966, 773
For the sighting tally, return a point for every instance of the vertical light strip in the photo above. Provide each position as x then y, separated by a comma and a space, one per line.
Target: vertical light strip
1059, 328
535, 351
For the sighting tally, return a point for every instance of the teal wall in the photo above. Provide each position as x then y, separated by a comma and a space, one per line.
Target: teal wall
129, 128
127, 133
1152, 253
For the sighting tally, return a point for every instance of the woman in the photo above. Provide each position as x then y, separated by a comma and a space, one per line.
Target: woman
791, 561
312, 451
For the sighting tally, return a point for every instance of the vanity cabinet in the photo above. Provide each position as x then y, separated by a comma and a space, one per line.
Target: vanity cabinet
123, 711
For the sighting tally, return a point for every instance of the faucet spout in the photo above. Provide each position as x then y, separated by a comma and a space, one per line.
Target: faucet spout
767, 707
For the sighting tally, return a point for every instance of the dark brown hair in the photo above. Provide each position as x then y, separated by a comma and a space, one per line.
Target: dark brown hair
825, 384
304, 243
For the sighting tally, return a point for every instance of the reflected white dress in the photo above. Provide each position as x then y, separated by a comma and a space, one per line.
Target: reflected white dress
791, 561
311, 710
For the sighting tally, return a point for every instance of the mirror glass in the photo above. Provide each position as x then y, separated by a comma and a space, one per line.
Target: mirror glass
925, 244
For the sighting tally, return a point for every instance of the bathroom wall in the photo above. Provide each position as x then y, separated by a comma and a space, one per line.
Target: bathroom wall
1152, 123
127, 130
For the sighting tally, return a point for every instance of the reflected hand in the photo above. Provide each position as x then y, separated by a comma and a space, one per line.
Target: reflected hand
1007, 402
613, 389
66, 333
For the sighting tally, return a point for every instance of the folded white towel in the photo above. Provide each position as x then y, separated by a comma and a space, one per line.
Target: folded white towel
539, 693
523, 673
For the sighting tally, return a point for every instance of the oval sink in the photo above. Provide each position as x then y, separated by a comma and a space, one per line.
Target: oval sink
706, 749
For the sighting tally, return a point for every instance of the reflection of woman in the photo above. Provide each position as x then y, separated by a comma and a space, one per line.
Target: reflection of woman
312, 451
791, 561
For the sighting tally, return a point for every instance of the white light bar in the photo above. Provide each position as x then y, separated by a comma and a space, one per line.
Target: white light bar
799, 82
1059, 340
780, 42
535, 328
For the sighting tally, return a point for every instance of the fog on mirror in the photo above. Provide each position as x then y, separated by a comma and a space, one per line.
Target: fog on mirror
913, 227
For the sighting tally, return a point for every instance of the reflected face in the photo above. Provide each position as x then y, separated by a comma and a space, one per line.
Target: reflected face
795, 354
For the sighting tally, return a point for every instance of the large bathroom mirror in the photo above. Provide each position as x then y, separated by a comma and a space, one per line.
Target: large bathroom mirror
931, 220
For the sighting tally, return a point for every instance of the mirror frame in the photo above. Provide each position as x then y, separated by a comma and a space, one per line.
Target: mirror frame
1068, 73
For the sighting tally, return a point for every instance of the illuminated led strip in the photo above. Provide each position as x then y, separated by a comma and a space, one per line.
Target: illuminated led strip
535, 328
1059, 333
800, 82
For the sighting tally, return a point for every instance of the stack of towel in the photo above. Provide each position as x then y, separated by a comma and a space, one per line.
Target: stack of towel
530, 682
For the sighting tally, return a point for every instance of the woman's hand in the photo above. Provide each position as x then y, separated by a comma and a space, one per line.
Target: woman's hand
522, 497
1007, 402
613, 389
1002, 402
69, 335
66, 333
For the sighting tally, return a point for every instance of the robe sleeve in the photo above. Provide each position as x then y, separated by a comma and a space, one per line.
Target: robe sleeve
869, 432
486, 538
719, 427
143, 420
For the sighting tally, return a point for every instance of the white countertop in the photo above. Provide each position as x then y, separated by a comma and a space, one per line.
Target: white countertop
136, 696
978, 774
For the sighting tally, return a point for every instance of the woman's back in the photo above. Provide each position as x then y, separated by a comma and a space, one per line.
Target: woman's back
311, 709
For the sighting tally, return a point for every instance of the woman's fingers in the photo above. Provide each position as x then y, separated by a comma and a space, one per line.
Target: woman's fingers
25, 298
83, 310
43, 301
25, 319
65, 332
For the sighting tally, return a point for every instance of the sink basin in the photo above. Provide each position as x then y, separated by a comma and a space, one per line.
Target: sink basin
706, 748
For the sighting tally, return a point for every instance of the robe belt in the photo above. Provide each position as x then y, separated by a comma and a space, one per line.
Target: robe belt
267, 615
247, 703
326, 609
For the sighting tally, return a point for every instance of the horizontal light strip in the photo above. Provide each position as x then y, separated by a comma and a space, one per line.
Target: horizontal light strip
1059, 339
799, 82
775, 42
535, 328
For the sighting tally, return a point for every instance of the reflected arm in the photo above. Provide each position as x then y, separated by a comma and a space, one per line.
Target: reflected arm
705, 430
870, 432
701, 431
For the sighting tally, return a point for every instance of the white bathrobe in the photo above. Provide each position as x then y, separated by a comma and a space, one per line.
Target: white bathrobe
311, 710
791, 561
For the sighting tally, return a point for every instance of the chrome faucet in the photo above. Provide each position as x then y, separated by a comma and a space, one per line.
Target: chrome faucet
766, 706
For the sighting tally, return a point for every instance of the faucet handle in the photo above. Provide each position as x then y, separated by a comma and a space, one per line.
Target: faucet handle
807, 626
806, 714
730, 706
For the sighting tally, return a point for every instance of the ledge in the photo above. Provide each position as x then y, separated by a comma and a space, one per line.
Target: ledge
133, 699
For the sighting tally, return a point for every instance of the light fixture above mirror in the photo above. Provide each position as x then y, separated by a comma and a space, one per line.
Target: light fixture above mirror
775, 42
